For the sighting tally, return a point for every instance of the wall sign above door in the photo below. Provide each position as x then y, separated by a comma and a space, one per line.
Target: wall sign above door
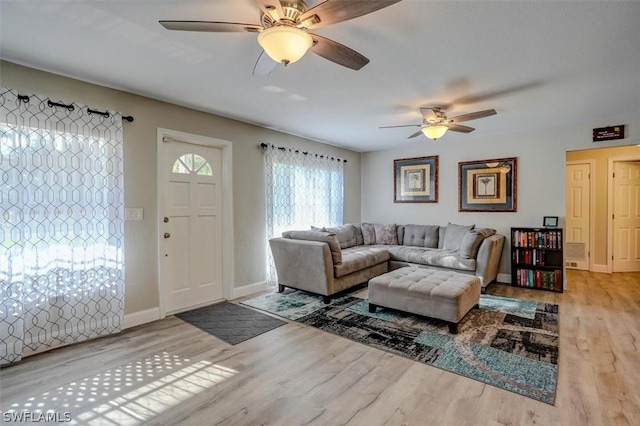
608, 133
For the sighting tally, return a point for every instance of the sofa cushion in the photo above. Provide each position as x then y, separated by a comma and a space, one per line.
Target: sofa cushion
346, 235
360, 257
472, 241
431, 257
325, 237
421, 235
368, 234
454, 235
386, 234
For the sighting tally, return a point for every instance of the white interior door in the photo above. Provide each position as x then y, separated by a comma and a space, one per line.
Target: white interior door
578, 190
191, 240
626, 216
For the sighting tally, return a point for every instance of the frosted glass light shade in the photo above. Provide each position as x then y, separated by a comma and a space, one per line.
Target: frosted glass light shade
435, 132
285, 44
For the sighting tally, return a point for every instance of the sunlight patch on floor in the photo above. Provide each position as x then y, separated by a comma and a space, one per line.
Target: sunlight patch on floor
131, 394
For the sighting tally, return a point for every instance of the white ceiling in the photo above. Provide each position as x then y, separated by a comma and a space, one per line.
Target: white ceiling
540, 64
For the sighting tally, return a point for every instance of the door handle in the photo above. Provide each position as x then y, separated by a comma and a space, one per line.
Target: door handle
167, 235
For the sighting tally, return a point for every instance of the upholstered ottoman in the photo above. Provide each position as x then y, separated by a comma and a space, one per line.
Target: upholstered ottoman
440, 294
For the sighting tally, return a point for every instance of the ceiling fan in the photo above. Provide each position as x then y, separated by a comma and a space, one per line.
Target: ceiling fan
435, 122
283, 34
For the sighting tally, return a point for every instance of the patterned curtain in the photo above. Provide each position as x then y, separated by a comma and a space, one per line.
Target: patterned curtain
302, 189
62, 208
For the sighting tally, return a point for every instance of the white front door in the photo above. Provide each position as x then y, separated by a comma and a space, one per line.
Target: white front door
626, 216
578, 189
191, 227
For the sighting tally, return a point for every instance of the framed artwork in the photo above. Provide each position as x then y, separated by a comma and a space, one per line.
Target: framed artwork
415, 180
487, 185
550, 221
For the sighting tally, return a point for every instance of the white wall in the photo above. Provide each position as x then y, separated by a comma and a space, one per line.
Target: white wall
540, 179
140, 157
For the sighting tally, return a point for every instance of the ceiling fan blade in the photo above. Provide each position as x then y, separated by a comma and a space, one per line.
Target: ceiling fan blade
472, 116
264, 65
460, 128
333, 11
209, 26
429, 114
418, 133
272, 8
338, 53
406, 125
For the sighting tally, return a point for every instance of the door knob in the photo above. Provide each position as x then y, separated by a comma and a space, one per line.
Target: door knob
166, 219
167, 235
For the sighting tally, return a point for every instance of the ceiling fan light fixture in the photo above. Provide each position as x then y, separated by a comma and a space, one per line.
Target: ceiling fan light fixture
285, 44
435, 131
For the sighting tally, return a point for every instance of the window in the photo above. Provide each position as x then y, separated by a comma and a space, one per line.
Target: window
301, 190
61, 236
192, 163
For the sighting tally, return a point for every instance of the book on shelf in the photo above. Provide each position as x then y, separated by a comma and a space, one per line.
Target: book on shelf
550, 238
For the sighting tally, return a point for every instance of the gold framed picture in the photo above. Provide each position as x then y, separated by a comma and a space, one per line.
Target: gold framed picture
488, 185
416, 180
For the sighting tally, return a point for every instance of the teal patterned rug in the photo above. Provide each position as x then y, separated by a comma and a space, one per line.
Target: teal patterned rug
508, 343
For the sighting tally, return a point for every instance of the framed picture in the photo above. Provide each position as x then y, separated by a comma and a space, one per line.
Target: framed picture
550, 221
416, 180
487, 185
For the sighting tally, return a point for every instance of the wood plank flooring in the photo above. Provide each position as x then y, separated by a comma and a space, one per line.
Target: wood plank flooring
170, 373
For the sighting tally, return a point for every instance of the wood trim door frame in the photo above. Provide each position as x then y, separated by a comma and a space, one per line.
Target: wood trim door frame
610, 206
227, 207
592, 211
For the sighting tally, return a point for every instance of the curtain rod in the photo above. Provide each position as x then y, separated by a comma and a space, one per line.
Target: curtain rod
282, 148
105, 114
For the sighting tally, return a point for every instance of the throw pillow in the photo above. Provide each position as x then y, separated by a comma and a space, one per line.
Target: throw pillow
358, 229
454, 235
400, 230
316, 229
346, 235
386, 234
325, 237
470, 244
368, 234
441, 232
486, 232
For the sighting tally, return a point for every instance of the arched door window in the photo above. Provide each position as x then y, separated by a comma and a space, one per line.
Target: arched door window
192, 164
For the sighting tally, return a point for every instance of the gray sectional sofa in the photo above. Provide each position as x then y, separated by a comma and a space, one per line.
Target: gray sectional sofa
327, 261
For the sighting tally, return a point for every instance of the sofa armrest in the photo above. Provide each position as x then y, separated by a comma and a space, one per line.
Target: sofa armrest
303, 264
488, 259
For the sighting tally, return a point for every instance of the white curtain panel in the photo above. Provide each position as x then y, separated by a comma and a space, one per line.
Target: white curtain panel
302, 189
61, 234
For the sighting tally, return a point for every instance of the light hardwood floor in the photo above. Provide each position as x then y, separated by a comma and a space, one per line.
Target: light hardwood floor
169, 372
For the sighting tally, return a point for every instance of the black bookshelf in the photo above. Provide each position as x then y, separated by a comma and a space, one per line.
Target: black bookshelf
537, 258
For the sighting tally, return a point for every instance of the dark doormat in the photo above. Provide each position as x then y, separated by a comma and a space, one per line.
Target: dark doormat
229, 322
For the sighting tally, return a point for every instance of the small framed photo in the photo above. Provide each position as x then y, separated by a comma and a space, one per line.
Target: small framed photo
415, 180
487, 185
550, 221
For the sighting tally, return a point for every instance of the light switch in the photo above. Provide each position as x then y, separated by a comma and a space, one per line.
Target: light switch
133, 214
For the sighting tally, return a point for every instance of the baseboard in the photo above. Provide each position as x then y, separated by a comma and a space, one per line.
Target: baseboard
600, 268
141, 317
248, 289
504, 278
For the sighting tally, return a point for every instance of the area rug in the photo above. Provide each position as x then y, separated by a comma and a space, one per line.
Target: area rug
230, 322
508, 343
